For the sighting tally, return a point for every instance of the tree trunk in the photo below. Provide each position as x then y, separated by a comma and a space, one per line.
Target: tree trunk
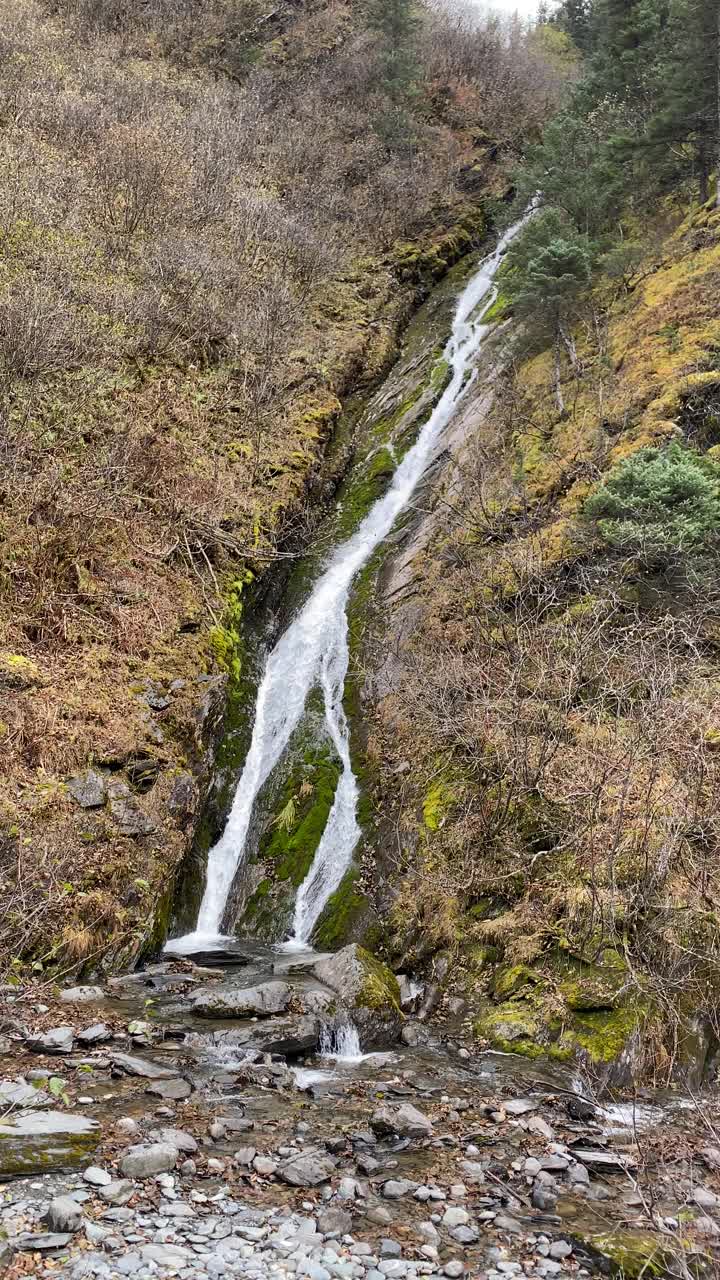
718, 122
558, 385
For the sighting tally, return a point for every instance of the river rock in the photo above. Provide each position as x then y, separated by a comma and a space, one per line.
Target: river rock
88, 789
43, 1242
18, 1093
133, 1066
94, 1034
288, 1036
96, 1177
396, 1188
404, 1120
64, 1214
45, 1141
60, 1040
117, 1192
367, 988
307, 1170
176, 1138
143, 1161
262, 1002
81, 995
171, 1090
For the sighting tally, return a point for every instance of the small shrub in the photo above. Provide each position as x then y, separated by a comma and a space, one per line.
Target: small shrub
659, 502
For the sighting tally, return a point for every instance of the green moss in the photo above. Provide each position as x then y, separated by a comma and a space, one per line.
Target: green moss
632, 1254
342, 908
379, 988
510, 980
602, 1035
225, 639
498, 310
294, 834
512, 1028
17, 671
437, 802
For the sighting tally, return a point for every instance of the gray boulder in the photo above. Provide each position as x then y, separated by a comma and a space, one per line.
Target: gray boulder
170, 1090
176, 1138
143, 1161
252, 1002
81, 995
404, 1120
283, 1035
89, 789
64, 1214
59, 1040
117, 1192
94, 1034
367, 989
308, 1169
134, 1066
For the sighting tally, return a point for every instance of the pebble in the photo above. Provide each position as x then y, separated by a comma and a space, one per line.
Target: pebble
454, 1269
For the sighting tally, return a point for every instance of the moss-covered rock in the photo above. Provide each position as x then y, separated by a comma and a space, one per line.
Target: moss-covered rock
367, 989
342, 909
631, 1254
512, 1027
512, 979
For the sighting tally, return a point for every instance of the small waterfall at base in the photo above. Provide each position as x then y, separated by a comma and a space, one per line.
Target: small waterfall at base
314, 651
341, 1043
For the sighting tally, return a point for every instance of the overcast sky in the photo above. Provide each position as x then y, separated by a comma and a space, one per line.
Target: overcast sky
524, 7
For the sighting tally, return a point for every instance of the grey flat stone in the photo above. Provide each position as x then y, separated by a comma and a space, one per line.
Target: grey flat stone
144, 1161
135, 1066
262, 1002
45, 1141
60, 1040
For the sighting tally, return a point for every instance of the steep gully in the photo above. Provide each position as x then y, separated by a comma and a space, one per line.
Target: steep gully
313, 652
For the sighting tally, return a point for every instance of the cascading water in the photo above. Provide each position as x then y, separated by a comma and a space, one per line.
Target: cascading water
342, 1043
314, 650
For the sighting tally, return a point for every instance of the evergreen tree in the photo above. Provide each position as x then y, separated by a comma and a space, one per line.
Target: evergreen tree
548, 268
395, 22
574, 17
688, 113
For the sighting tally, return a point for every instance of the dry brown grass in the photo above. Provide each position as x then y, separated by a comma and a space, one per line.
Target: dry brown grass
196, 222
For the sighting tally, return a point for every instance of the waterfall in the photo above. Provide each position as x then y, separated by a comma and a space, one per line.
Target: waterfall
314, 650
341, 1043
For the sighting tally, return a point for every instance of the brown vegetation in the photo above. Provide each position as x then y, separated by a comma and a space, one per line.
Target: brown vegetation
197, 219
562, 694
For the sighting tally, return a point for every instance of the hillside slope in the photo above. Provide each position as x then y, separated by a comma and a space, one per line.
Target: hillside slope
213, 224
551, 710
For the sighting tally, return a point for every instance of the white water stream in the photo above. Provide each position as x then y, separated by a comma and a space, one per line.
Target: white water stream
314, 651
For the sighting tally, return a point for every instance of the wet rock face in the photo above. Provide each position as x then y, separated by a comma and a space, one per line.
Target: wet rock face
290, 1036
263, 1002
367, 988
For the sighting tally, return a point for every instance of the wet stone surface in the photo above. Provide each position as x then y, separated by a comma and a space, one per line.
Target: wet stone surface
211, 1153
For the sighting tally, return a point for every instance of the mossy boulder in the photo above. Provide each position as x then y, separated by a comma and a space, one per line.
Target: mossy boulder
606, 1041
631, 1254
593, 988
17, 672
512, 979
512, 1027
368, 990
